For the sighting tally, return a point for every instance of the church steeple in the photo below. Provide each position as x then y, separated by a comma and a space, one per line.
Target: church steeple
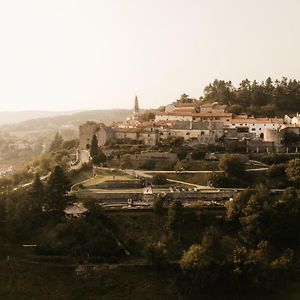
136, 105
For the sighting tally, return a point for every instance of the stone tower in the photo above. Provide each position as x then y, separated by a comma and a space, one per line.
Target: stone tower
136, 106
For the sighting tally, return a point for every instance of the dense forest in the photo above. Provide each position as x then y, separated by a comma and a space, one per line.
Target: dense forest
267, 98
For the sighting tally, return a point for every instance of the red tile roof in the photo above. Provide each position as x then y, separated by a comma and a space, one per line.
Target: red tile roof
127, 129
194, 114
256, 120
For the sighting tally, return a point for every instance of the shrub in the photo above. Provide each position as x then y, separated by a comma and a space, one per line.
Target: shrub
181, 154
159, 179
158, 205
148, 164
198, 154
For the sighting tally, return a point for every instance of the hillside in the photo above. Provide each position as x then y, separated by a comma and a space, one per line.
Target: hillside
105, 116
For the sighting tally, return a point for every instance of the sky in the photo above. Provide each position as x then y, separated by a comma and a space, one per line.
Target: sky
96, 54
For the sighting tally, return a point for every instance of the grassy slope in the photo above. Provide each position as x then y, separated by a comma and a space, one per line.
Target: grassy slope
29, 282
112, 176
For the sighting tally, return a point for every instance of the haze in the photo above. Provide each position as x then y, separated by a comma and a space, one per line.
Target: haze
71, 54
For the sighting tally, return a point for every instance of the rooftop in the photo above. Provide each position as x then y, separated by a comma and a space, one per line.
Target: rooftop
194, 114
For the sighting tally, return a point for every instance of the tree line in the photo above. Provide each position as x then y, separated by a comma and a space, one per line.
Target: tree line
267, 98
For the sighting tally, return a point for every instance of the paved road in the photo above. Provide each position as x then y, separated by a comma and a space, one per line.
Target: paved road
31, 182
146, 173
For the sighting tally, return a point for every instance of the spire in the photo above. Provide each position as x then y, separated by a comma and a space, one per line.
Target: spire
136, 105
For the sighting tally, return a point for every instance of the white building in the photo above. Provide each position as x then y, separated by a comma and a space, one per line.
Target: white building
255, 125
292, 120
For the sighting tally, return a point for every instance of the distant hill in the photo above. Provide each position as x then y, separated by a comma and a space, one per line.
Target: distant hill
106, 116
10, 117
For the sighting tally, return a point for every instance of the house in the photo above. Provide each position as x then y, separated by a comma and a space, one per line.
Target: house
254, 125
204, 132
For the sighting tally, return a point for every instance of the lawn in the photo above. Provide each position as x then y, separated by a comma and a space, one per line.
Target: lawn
199, 178
104, 175
83, 175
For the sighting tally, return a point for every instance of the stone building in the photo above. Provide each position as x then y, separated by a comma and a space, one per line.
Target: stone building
275, 136
104, 134
203, 132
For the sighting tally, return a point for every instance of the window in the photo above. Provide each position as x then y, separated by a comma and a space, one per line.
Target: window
187, 133
253, 129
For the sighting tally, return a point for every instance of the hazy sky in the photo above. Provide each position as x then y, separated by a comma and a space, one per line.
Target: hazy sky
92, 54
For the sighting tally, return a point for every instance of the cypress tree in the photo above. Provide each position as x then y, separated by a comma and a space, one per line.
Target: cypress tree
57, 188
36, 195
94, 147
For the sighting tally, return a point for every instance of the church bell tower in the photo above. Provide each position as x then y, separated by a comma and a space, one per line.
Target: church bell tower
136, 109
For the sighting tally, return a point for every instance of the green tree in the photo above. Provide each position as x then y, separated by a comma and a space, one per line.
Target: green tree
99, 158
232, 164
178, 167
156, 254
159, 179
57, 188
70, 144
158, 205
148, 164
56, 143
182, 154
148, 116
219, 91
175, 217
184, 98
126, 162
94, 150
293, 171
198, 154
36, 195
199, 269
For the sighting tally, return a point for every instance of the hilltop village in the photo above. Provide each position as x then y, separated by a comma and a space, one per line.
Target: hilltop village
190, 194
195, 123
